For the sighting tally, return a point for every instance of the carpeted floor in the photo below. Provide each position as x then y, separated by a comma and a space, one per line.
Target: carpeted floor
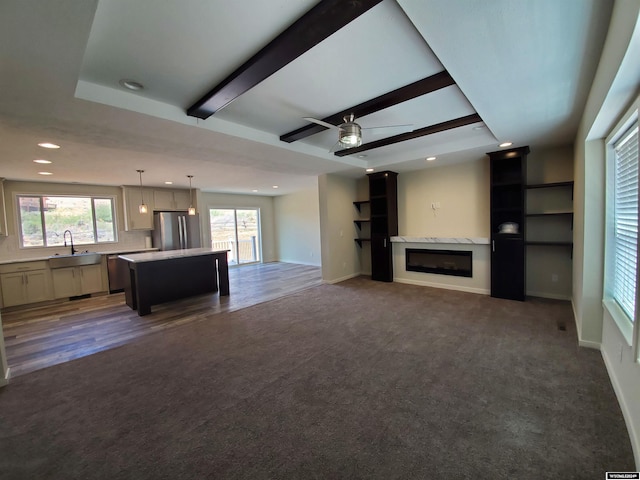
356, 380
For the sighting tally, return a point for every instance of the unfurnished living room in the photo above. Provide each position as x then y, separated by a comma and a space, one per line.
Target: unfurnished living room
319, 239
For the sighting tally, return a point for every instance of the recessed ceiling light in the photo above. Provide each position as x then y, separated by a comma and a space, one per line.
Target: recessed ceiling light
369, 170
430, 159
254, 190
362, 156
131, 84
168, 183
42, 160
480, 127
45, 173
275, 186
48, 145
506, 144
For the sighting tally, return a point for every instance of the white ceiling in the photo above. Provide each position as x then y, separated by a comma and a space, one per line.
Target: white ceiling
524, 66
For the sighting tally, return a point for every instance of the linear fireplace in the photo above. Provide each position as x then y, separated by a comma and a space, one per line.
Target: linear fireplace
443, 262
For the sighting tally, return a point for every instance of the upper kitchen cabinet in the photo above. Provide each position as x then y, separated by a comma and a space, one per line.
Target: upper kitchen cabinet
169, 199
3, 210
133, 219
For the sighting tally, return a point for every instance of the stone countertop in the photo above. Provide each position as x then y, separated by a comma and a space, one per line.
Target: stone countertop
169, 254
110, 252
448, 240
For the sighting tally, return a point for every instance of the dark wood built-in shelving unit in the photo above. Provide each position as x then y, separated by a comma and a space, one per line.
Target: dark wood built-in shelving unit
507, 192
382, 222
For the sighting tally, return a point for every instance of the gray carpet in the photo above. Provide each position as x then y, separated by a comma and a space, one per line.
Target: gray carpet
356, 380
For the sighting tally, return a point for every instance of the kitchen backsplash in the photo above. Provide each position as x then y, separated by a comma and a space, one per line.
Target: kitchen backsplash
9, 249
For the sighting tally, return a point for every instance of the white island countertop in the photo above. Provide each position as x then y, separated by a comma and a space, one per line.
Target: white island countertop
169, 254
449, 240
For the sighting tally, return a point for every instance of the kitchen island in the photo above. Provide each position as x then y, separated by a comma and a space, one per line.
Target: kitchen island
159, 277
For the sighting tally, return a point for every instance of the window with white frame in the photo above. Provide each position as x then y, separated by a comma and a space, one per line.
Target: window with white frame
43, 220
622, 238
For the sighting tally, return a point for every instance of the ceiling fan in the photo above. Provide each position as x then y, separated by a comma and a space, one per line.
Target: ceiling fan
350, 133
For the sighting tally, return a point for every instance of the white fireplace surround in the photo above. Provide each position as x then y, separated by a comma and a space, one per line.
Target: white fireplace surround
479, 283
447, 240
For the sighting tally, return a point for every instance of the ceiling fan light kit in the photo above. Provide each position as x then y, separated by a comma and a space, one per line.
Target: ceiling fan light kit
350, 135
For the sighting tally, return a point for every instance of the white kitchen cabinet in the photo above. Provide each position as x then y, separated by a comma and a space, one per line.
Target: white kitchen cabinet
170, 199
133, 219
74, 281
23, 283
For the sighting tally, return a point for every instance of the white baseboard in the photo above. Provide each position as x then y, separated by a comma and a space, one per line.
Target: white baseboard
342, 279
446, 286
4, 381
552, 296
588, 344
634, 435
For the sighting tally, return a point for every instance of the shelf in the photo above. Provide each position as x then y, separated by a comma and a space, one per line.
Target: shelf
507, 184
507, 236
359, 241
359, 203
550, 244
547, 214
550, 185
360, 222
507, 209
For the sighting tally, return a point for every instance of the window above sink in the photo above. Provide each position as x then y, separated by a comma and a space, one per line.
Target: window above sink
44, 218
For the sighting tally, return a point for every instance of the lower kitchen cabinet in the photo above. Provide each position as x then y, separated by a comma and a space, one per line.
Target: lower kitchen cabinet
74, 281
24, 283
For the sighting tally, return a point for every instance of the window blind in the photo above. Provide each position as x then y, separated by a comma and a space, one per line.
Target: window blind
626, 220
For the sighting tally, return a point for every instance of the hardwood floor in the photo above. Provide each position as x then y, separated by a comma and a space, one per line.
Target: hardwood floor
42, 336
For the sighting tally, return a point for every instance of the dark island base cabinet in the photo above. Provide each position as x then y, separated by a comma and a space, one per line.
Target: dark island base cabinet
156, 282
507, 260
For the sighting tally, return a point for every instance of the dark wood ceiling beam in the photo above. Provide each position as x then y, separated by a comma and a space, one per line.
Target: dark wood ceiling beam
403, 137
402, 94
326, 18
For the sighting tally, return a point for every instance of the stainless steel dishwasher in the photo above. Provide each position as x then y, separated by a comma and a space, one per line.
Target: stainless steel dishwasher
118, 273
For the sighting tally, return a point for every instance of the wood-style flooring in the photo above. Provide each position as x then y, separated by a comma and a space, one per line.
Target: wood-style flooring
42, 336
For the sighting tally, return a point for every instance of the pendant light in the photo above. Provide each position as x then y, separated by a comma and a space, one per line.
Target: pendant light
142, 208
192, 209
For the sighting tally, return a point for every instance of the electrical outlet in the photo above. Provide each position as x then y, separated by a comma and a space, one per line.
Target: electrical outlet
554, 277
437, 204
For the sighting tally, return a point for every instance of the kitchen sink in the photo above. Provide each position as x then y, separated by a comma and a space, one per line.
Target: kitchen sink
75, 260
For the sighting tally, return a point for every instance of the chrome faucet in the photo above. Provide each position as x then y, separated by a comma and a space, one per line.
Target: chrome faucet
64, 236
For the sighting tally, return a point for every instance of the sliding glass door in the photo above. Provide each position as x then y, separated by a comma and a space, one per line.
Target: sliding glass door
236, 230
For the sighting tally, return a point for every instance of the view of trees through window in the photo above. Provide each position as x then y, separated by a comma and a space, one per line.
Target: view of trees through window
236, 230
43, 220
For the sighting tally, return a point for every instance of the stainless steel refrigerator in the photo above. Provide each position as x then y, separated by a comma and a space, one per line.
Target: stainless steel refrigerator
175, 230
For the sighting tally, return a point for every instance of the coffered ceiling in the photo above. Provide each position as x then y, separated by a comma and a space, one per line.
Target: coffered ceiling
505, 70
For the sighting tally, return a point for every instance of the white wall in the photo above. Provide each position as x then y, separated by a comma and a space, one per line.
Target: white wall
227, 200
297, 220
612, 91
340, 257
463, 192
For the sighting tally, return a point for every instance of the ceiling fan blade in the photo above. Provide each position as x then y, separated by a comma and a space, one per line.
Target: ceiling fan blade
390, 128
335, 145
320, 122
